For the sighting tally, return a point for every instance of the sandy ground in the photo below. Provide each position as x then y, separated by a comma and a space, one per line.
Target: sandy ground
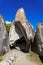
24, 58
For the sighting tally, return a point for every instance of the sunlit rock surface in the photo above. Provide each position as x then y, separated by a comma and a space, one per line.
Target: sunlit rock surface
4, 42
25, 27
21, 36
17, 57
20, 15
20, 28
14, 34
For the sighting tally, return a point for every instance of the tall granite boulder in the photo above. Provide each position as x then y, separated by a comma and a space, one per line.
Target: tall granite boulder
21, 32
38, 40
24, 26
4, 42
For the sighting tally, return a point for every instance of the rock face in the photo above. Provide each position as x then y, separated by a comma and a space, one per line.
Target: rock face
4, 43
20, 15
21, 30
24, 26
16, 39
14, 34
38, 40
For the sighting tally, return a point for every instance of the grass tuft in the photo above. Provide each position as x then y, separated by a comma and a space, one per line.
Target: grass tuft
1, 58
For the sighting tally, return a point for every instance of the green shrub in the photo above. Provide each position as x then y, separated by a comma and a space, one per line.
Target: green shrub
1, 58
8, 27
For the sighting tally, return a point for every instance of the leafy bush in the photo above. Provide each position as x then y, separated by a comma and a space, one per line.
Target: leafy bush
1, 58
8, 27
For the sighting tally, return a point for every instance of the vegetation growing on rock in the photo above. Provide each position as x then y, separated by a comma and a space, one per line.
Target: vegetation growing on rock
8, 27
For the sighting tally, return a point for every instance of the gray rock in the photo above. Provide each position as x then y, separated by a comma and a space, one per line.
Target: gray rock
21, 32
5, 63
38, 40
16, 38
4, 42
14, 34
24, 26
11, 58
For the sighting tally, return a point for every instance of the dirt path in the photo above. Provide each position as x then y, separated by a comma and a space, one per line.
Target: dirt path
25, 58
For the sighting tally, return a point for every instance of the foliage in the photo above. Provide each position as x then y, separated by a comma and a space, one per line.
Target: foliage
8, 27
1, 58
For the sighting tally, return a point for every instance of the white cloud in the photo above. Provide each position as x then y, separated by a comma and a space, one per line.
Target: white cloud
8, 22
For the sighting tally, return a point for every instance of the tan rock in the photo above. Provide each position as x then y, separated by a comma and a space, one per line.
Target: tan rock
20, 15
24, 26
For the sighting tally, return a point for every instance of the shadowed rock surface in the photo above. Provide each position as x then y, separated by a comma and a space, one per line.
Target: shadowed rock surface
16, 39
38, 40
14, 34
4, 42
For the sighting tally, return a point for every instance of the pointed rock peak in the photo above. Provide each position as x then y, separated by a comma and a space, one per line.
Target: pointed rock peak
21, 10
20, 15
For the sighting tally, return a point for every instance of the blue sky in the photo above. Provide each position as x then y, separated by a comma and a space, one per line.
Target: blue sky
33, 10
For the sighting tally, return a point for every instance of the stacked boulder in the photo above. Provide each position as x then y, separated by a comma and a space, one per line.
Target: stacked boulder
22, 31
4, 40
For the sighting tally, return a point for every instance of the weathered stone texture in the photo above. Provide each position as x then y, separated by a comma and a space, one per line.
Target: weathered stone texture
21, 29
38, 40
4, 42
